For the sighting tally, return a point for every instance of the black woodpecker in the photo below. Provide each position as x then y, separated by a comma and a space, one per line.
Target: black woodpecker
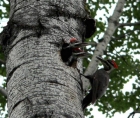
99, 82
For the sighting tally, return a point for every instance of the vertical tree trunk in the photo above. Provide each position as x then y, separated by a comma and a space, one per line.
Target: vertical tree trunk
39, 84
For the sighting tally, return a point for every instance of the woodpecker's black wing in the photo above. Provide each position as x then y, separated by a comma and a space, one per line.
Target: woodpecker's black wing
103, 81
94, 83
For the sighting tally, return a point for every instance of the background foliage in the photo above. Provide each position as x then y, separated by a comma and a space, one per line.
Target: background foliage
122, 48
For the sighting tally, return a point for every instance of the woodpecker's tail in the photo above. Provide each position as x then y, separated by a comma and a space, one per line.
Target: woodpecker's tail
87, 100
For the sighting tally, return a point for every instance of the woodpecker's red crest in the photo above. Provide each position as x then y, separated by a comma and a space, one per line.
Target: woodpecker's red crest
114, 64
73, 40
109, 65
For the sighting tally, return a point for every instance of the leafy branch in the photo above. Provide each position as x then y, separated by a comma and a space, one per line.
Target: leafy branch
128, 24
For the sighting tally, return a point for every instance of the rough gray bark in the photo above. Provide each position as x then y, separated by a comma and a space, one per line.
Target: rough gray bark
39, 84
101, 47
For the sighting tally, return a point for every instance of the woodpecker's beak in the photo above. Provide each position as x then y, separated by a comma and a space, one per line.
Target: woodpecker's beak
80, 44
104, 62
101, 59
81, 55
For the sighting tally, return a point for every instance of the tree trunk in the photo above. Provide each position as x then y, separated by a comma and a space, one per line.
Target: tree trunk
39, 83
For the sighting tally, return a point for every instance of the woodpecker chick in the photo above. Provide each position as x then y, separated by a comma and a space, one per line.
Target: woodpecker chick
99, 82
72, 51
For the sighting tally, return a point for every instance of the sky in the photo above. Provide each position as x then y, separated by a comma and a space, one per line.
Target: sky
127, 87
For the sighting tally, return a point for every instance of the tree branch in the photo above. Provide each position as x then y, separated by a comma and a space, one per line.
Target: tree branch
101, 47
133, 113
2, 61
3, 91
128, 24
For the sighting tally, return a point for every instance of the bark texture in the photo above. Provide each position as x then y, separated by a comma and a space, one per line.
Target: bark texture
39, 84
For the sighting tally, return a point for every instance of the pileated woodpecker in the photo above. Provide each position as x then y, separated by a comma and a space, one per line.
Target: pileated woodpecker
99, 82
71, 51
